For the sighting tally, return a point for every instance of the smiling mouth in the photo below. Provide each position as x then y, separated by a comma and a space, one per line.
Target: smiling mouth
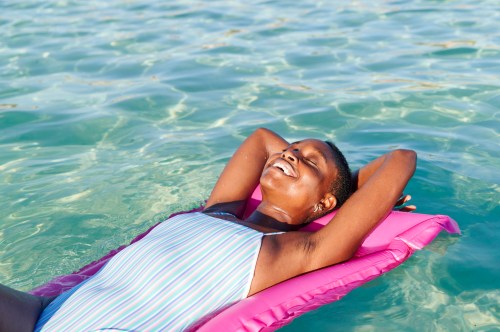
285, 167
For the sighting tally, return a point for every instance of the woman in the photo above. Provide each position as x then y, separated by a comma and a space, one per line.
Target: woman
196, 264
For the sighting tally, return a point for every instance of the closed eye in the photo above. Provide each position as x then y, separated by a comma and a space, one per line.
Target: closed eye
309, 161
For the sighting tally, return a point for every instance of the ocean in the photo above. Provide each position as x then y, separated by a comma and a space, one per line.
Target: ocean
115, 114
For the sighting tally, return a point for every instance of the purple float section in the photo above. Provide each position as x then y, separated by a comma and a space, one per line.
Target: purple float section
389, 245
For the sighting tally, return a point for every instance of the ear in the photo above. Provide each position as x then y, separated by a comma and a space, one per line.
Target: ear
329, 202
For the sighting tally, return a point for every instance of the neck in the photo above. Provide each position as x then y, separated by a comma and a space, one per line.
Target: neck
271, 216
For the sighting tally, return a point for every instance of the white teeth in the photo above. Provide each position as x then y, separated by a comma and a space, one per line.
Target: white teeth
284, 167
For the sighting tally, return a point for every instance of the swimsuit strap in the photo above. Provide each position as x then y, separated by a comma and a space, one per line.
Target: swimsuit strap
222, 213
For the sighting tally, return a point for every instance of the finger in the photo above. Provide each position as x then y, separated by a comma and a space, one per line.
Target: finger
403, 199
409, 208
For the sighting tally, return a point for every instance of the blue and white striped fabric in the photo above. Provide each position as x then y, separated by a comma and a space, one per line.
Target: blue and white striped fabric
185, 268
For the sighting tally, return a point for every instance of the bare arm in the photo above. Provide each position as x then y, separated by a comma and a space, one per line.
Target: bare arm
242, 173
379, 185
360, 176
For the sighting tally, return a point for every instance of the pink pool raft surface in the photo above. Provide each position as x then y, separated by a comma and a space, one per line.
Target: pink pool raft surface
389, 245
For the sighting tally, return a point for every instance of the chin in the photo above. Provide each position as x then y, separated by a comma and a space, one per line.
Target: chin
275, 191
266, 185
269, 183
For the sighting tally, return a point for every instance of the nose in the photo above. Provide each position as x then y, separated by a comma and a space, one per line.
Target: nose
290, 154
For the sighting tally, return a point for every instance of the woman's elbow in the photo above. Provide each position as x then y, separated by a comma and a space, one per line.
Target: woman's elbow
406, 157
406, 153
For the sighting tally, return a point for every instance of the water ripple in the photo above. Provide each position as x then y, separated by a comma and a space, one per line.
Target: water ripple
115, 113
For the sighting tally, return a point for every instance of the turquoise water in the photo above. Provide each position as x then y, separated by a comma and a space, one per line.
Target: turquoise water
114, 114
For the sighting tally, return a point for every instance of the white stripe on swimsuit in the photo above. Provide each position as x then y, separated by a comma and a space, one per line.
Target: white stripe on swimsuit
186, 267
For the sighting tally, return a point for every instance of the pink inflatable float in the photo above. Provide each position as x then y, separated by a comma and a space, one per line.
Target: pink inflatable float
389, 245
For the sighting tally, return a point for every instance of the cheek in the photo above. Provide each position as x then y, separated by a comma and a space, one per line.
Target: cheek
314, 187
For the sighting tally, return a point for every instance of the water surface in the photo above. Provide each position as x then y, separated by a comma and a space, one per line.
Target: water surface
114, 114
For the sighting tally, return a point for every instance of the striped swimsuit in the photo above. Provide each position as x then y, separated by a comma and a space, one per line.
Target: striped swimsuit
185, 268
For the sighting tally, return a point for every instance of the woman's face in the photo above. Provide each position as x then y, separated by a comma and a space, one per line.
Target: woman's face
297, 178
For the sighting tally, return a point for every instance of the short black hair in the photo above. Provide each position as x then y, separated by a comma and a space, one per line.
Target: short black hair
342, 183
